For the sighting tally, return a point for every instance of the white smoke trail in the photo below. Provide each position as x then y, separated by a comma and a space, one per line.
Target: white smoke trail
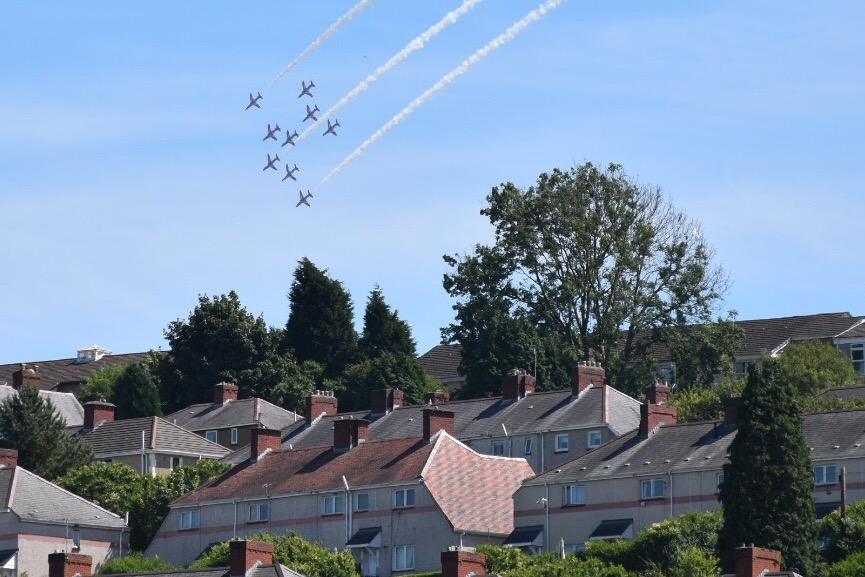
413, 46
342, 21
464, 67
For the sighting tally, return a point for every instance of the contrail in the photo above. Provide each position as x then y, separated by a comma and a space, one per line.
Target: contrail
413, 46
464, 67
342, 21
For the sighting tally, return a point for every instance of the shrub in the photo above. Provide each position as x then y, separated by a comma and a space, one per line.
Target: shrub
663, 544
843, 537
135, 562
852, 566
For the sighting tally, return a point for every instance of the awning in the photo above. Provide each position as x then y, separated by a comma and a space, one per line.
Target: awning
366, 537
525, 536
8, 559
824, 509
614, 529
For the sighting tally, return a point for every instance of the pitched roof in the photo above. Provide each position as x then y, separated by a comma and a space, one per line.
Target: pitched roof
243, 412
126, 435
443, 362
57, 372
702, 446
33, 498
64, 403
856, 393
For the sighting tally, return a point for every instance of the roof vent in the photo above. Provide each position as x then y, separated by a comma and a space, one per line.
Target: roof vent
91, 354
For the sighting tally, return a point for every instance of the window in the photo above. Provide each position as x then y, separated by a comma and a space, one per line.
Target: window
189, 520
498, 448
259, 512
211, 436
857, 355
361, 502
825, 475
743, 366
652, 489
76, 538
573, 495
562, 443
233, 436
594, 439
333, 505
574, 547
719, 481
403, 498
403, 557
529, 443
176, 462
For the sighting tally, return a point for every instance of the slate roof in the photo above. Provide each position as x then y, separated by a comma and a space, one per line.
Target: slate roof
65, 372
702, 446
240, 413
33, 498
64, 403
124, 436
443, 362
845, 393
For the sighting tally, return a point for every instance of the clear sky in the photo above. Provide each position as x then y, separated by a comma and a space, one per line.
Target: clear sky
131, 177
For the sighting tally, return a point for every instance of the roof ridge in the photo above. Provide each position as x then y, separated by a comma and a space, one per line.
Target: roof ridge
176, 426
75, 358
70, 493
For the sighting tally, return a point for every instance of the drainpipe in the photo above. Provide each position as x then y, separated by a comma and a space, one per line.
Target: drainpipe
542, 452
509, 440
234, 528
547, 518
670, 477
348, 509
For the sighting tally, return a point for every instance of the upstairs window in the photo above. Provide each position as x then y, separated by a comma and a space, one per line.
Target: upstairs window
563, 442
190, 520
498, 448
573, 495
361, 502
259, 512
652, 488
403, 498
594, 439
529, 445
825, 475
857, 355
211, 436
333, 505
233, 436
719, 478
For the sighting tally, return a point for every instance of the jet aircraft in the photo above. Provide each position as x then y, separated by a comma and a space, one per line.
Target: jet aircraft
307, 88
290, 138
271, 162
271, 132
310, 113
331, 128
303, 199
289, 172
253, 101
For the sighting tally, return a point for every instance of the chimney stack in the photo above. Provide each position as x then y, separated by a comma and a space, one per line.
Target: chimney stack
435, 420
585, 374
462, 562
731, 409
384, 401
754, 561
438, 397
26, 375
653, 416
320, 403
69, 565
8, 458
224, 392
97, 413
244, 555
348, 433
658, 393
516, 384
262, 440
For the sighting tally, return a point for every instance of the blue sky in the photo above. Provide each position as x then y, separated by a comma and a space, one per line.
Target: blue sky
131, 181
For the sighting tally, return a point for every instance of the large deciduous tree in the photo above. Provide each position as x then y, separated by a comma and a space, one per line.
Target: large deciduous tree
591, 262
813, 366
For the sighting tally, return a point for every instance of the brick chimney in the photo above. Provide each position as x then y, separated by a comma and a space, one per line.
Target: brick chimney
320, 403
8, 458
384, 401
69, 565
438, 397
224, 392
585, 374
753, 561
435, 420
658, 393
26, 375
97, 413
348, 433
462, 562
262, 440
516, 384
245, 555
731, 409
651, 416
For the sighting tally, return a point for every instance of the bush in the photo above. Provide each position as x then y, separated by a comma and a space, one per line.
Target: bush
843, 537
852, 566
692, 562
619, 552
570, 566
663, 544
502, 559
135, 562
705, 403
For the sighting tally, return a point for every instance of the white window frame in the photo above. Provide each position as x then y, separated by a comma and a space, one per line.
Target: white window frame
190, 519
357, 506
573, 495
530, 442
719, 478
76, 538
171, 464
234, 436
652, 492
214, 434
498, 448
858, 364
332, 505
574, 548
589, 435
403, 498
822, 476
257, 512
403, 558
559, 447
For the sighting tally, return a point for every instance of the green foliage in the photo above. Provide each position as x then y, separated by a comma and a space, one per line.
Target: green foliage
852, 566
703, 352
30, 424
512, 562
501, 560
813, 366
135, 562
100, 385
383, 331
387, 370
114, 486
615, 552
664, 545
843, 537
705, 403
135, 394
320, 325
580, 255
766, 493
691, 562
294, 552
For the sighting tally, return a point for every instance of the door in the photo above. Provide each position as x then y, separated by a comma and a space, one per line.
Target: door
369, 562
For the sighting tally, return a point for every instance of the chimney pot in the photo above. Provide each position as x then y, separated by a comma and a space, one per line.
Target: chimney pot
753, 561
653, 416
320, 403
348, 433
585, 374
8, 458
69, 565
26, 376
97, 413
438, 397
463, 561
384, 401
435, 420
244, 555
658, 392
262, 440
517, 384
224, 392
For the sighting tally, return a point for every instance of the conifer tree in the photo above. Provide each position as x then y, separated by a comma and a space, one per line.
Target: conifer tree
383, 330
766, 493
320, 325
30, 424
135, 394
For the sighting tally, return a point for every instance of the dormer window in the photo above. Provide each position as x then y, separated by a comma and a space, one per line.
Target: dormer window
91, 354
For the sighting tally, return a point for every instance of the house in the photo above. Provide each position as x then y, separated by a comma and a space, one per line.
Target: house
442, 362
150, 445
37, 518
394, 503
66, 375
65, 404
545, 428
228, 420
664, 469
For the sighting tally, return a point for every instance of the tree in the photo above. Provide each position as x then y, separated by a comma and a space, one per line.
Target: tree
813, 366
135, 394
766, 492
852, 566
705, 403
100, 385
702, 353
843, 537
320, 325
135, 562
30, 424
598, 261
399, 371
383, 330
